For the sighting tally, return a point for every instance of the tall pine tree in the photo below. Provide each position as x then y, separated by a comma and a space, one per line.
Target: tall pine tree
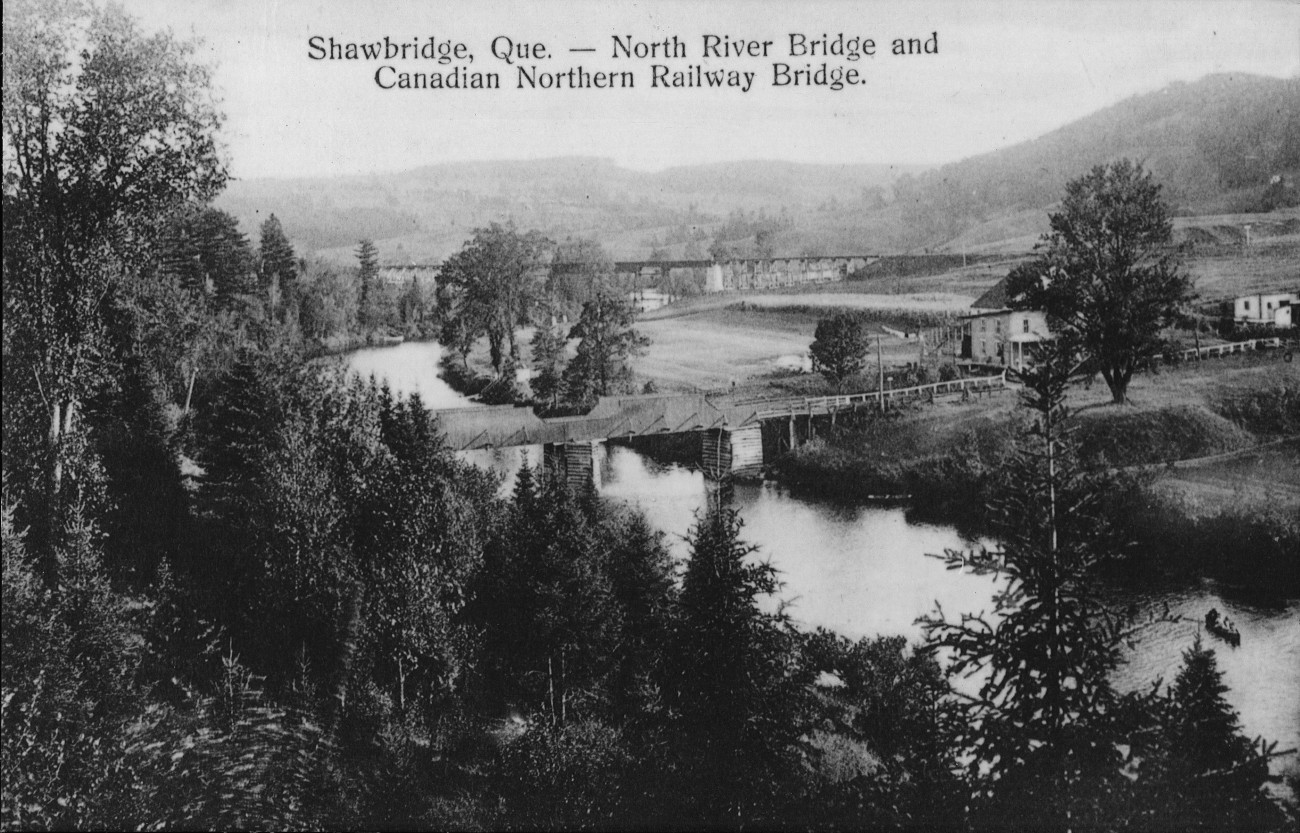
1041, 737
1202, 773
367, 284
279, 267
739, 686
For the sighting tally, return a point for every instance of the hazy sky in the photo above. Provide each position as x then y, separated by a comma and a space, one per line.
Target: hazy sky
1004, 72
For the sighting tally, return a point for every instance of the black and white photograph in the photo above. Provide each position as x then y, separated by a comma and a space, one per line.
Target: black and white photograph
660, 415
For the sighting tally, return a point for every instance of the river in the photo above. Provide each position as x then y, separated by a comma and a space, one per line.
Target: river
865, 570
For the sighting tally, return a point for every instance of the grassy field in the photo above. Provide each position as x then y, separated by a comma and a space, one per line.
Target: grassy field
1185, 412
760, 350
1268, 476
705, 343
1270, 264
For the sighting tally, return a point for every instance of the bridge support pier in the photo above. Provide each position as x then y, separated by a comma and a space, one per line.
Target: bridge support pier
574, 462
732, 452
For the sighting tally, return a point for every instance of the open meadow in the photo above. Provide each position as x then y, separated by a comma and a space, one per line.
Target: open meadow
762, 344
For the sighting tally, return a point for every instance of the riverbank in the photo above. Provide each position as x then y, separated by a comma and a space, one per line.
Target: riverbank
1235, 521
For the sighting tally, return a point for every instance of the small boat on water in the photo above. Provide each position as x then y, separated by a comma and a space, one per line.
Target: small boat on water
1222, 627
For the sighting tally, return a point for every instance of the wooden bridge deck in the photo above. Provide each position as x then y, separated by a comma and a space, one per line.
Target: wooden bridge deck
631, 416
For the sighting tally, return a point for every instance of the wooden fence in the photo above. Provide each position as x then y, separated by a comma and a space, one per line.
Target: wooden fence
1218, 350
816, 405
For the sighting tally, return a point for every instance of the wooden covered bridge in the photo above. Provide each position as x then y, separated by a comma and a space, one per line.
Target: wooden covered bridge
730, 428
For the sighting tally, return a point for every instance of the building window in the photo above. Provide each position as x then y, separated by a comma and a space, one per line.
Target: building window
1025, 324
997, 325
1247, 306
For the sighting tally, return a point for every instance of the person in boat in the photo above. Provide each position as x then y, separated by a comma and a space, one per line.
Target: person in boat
1212, 618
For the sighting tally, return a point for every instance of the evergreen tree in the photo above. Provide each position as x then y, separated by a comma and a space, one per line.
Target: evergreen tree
642, 581
1042, 735
279, 264
68, 684
545, 600
367, 285
225, 256
600, 366
548, 357
412, 306
1202, 773
178, 251
739, 685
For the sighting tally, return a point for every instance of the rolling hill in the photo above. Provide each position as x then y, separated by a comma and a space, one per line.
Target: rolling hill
1222, 145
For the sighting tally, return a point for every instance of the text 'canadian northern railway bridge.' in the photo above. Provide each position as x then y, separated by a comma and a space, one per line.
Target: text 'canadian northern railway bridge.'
730, 428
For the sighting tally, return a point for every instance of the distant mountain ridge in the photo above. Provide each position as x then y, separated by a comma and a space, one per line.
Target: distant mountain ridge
1216, 145
428, 212
1223, 144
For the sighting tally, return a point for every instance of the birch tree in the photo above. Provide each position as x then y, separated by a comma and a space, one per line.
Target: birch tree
105, 130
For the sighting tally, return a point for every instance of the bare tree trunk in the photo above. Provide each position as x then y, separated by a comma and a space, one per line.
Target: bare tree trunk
189, 391
56, 473
550, 686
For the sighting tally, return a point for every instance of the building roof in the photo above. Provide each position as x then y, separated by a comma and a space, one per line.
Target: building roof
994, 298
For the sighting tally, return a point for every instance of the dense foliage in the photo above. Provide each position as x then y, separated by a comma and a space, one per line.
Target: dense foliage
839, 349
492, 286
601, 365
243, 590
1108, 274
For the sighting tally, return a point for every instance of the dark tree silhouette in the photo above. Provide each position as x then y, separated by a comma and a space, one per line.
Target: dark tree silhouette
1040, 736
105, 130
840, 347
493, 284
600, 366
741, 688
1108, 271
279, 265
367, 284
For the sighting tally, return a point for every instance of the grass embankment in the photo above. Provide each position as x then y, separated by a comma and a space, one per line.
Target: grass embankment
1238, 519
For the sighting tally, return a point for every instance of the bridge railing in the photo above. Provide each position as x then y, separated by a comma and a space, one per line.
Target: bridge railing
768, 409
1224, 349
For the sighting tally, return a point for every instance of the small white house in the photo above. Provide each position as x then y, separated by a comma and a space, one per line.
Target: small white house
1270, 309
998, 335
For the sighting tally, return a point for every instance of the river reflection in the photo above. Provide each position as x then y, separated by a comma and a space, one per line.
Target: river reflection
411, 367
858, 570
863, 570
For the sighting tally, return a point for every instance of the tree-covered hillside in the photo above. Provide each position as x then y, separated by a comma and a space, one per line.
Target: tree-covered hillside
426, 214
1224, 144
